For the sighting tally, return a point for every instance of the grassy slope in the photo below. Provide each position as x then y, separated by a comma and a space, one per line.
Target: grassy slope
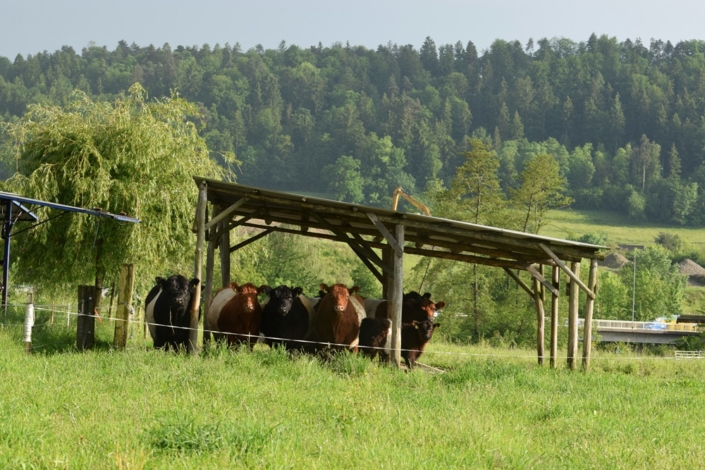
491, 409
619, 229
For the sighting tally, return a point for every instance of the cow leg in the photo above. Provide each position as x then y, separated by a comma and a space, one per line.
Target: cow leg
160, 337
408, 360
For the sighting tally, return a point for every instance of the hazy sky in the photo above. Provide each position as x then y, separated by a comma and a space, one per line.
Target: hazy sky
31, 26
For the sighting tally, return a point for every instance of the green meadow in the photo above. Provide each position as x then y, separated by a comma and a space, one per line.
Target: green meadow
619, 228
483, 408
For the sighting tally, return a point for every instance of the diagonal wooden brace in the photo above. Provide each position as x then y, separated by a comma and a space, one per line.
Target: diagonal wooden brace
518, 280
567, 270
225, 213
386, 233
537, 275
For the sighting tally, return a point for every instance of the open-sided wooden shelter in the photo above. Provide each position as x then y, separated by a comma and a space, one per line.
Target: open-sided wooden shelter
395, 233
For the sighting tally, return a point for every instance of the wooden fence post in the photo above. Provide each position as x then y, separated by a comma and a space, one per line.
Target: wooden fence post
122, 323
85, 322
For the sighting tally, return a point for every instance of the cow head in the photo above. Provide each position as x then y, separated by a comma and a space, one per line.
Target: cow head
340, 294
178, 291
248, 295
281, 298
425, 329
429, 307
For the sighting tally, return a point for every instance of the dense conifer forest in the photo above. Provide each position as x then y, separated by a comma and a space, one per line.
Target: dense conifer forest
624, 120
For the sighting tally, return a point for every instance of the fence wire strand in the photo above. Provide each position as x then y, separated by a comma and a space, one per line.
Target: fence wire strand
303, 341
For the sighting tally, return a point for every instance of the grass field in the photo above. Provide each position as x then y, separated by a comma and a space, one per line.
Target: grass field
490, 408
619, 229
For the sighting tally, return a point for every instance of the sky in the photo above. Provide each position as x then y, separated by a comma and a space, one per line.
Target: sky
32, 26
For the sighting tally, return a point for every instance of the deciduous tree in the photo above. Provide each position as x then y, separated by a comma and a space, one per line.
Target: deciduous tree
131, 156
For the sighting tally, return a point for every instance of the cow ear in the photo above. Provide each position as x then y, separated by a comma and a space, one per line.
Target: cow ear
436, 325
193, 283
160, 281
416, 324
323, 287
233, 285
440, 305
264, 289
426, 295
298, 291
354, 290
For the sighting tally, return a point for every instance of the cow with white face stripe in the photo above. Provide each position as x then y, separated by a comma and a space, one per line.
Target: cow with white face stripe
168, 311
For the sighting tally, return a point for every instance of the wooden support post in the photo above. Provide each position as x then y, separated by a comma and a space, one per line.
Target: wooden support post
208, 294
28, 323
573, 298
124, 300
386, 275
556, 278
224, 248
540, 322
85, 322
589, 307
396, 292
192, 345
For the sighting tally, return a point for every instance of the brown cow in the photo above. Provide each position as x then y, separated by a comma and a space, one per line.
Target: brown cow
237, 313
338, 316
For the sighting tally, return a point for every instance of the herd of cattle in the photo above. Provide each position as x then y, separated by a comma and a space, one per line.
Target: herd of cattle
338, 318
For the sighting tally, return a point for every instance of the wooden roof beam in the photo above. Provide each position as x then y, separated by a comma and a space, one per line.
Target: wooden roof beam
251, 240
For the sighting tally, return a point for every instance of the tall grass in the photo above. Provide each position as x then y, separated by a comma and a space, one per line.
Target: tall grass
491, 408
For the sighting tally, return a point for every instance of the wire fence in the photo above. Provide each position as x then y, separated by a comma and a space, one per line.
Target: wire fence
49, 316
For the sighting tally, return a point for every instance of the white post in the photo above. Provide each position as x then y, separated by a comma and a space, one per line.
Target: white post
634, 287
28, 323
68, 315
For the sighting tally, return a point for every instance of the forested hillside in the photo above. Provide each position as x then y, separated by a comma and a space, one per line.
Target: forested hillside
624, 120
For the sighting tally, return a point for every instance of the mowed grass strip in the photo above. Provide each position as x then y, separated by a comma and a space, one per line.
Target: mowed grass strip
618, 227
491, 408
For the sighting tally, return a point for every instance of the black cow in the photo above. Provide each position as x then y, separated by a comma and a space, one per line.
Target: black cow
375, 338
168, 311
285, 318
414, 337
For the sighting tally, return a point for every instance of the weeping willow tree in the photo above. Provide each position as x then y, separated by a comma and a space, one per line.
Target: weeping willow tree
134, 156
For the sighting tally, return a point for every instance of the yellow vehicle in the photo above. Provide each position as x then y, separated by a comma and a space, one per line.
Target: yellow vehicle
400, 192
